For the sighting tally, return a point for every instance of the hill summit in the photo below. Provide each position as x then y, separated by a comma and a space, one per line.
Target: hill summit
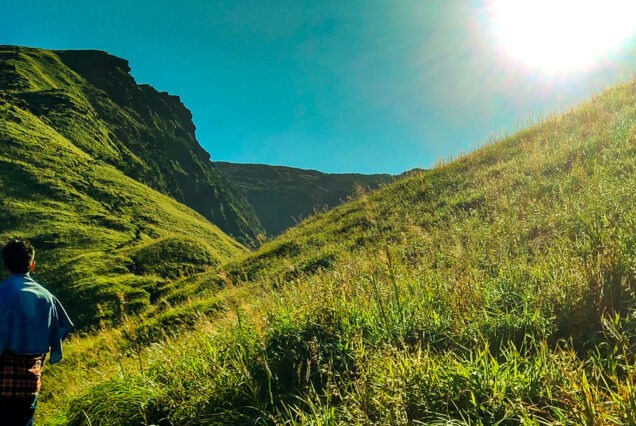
91, 170
90, 98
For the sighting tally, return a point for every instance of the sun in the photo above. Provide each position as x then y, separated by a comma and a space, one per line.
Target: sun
561, 36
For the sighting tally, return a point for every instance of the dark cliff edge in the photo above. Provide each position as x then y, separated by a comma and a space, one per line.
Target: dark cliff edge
178, 165
147, 134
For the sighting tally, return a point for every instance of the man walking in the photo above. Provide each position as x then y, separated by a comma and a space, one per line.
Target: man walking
32, 324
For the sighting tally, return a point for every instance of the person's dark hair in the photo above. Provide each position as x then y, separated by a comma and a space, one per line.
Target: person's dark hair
18, 255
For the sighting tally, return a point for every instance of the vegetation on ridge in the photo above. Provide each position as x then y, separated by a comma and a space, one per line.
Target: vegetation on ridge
495, 289
105, 241
90, 99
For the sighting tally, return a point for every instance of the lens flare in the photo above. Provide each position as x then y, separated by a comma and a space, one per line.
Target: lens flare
561, 36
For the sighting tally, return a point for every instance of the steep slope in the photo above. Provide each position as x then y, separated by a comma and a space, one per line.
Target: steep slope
283, 196
90, 98
496, 289
564, 183
108, 244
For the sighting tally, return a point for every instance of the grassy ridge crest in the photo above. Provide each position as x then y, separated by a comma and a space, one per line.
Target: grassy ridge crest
90, 98
95, 227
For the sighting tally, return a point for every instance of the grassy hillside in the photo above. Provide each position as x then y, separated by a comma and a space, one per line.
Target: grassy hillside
106, 243
495, 289
283, 196
89, 98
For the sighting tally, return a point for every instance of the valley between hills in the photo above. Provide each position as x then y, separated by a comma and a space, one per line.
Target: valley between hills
497, 288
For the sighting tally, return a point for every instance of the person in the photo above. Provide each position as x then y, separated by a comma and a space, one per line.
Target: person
33, 323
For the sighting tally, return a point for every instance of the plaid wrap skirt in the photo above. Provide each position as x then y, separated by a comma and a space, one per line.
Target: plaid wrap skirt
20, 375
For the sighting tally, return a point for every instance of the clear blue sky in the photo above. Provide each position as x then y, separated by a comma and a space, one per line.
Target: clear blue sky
335, 85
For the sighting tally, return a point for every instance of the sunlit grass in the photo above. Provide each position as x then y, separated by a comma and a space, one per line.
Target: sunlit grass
494, 289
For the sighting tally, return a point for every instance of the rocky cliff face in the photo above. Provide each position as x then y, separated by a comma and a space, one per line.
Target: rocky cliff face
89, 97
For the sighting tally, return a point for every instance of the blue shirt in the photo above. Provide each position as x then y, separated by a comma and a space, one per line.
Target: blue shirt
32, 320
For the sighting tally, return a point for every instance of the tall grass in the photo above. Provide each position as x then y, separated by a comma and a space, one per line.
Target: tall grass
494, 289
